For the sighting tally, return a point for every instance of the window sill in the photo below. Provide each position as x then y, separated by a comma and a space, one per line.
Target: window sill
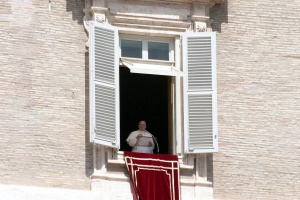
119, 160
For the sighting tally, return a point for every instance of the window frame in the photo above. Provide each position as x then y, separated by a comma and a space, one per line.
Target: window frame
145, 40
151, 66
182, 137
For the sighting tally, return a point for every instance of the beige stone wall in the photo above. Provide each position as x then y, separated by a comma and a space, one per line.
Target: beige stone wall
258, 65
44, 98
44, 95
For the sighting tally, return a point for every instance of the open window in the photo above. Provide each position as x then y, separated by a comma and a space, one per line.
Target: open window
148, 55
118, 66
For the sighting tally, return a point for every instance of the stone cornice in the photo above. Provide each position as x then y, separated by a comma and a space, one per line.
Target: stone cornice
92, 10
168, 17
148, 24
211, 2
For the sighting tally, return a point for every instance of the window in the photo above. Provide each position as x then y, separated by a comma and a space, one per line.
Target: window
131, 48
158, 51
144, 49
147, 55
198, 77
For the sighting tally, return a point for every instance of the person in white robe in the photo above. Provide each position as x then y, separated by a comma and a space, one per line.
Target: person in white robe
141, 140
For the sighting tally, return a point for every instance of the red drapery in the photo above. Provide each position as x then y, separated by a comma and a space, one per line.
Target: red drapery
153, 176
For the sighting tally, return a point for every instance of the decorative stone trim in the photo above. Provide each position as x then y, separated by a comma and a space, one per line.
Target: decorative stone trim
194, 16
199, 26
86, 22
148, 24
97, 14
94, 14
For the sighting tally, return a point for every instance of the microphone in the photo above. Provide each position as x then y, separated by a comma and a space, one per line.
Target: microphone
154, 138
156, 143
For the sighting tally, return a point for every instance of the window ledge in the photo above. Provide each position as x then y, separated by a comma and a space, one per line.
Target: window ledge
109, 176
187, 182
116, 161
119, 161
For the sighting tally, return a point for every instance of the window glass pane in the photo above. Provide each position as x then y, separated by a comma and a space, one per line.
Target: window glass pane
131, 48
158, 51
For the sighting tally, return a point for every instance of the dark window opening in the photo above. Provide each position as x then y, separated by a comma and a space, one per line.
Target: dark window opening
143, 97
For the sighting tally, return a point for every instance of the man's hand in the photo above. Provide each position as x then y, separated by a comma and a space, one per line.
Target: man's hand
150, 144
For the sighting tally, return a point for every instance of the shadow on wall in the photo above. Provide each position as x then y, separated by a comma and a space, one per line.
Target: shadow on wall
76, 8
210, 167
219, 14
88, 144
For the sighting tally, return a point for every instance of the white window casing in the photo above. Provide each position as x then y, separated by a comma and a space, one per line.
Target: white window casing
104, 85
200, 92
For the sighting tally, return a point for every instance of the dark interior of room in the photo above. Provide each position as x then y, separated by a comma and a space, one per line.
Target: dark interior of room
143, 97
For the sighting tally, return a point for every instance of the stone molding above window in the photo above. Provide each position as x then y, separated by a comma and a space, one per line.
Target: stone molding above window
151, 17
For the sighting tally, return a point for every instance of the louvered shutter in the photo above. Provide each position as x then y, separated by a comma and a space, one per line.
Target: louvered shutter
104, 85
200, 94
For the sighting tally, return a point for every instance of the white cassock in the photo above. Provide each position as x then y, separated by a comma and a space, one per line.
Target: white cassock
140, 145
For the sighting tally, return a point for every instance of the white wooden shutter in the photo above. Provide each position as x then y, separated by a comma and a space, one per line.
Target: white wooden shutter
200, 94
104, 85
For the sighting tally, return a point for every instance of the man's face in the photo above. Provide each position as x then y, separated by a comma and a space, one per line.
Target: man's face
142, 125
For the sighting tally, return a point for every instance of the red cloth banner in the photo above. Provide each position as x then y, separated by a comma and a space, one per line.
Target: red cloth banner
153, 176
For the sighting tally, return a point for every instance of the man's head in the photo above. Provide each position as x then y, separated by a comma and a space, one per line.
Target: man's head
142, 125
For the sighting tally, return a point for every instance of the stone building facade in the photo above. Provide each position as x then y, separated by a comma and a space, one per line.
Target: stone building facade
258, 100
44, 92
